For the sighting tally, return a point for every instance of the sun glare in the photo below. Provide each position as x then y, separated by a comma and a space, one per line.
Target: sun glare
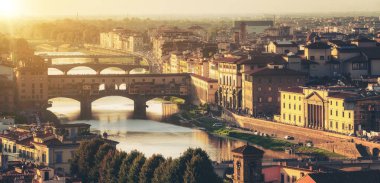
8, 8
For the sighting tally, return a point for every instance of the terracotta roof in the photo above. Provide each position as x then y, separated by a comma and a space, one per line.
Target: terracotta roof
209, 80
318, 45
343, 95
371, 176
275, 71
287, 44
293, 90
371, 52
248, 150
234, 60
266, 58
356, 59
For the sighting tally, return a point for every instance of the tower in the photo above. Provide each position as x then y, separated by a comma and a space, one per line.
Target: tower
247, 164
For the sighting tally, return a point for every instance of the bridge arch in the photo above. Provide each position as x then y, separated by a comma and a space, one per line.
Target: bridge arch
139, 70
113, 70
123, 86
55, 71
81, 70
65, 107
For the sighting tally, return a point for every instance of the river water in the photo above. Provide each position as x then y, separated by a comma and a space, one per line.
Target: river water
113, 115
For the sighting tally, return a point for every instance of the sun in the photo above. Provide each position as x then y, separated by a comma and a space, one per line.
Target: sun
8, 8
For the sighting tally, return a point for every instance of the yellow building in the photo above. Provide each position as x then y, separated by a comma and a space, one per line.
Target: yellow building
329, 109
204, 90
54, 146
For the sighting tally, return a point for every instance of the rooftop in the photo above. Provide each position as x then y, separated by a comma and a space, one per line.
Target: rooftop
318, 45
275, 72
248, 150
372, 176
209, 80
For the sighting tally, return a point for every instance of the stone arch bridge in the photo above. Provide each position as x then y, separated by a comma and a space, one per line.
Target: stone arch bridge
98, 67
138, 87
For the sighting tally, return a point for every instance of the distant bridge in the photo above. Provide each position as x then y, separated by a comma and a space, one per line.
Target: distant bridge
138, 87
94, 56
99, 67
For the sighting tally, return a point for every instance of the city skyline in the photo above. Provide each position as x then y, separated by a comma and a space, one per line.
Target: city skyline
41, 8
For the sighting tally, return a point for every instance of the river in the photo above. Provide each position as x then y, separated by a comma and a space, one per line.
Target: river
113, 115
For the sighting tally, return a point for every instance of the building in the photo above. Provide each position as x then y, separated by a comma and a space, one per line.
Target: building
6, 70
32, 84
247, 162
282, 47
368, 176
261, 88
204, 90
284, 173
230, 81
122, 39
318, 55
51, 146
7, 95
330, 109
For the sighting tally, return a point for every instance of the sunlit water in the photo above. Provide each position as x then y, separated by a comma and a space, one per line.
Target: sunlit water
113, 115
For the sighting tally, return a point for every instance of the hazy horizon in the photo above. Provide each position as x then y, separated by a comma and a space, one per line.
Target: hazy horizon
47, 8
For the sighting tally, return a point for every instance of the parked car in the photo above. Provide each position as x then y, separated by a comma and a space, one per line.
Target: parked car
217, 125
309, 143
288, 137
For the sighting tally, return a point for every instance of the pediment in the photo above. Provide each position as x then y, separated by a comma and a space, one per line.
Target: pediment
314, 97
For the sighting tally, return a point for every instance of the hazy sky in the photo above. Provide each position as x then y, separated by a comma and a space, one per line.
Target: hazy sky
186, 7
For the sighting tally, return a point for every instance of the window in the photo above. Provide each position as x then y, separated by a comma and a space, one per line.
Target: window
283, 116
322, 57
299, 107
349, 115
336, 113
290, 106
331, 112
331, 124
260, 99
299, 119
359, 66
269, 99
283, 105
58, 157
44, 158
312, 58
342, 126
349, 127
269, 88
343, 114
294, 179
295, 107
259, 88
336, 125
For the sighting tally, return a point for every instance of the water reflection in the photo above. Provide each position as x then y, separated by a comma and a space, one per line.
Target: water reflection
112, 115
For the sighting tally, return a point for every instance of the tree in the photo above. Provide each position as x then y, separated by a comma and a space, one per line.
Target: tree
84, 159
165, 172
105, 166
147, 171
133, 175
200, 170
104, 149
126, 165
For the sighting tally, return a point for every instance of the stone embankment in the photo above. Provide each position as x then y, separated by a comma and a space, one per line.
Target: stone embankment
337, 143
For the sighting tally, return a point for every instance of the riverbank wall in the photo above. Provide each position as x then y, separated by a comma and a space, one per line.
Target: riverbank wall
332, 142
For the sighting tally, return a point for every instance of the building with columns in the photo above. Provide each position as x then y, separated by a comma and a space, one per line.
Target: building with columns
340, 110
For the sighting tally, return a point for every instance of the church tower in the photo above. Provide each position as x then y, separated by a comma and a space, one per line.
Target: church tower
247, 164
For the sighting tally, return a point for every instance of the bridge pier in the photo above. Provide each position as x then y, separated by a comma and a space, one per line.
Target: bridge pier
85, 109
140, 106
